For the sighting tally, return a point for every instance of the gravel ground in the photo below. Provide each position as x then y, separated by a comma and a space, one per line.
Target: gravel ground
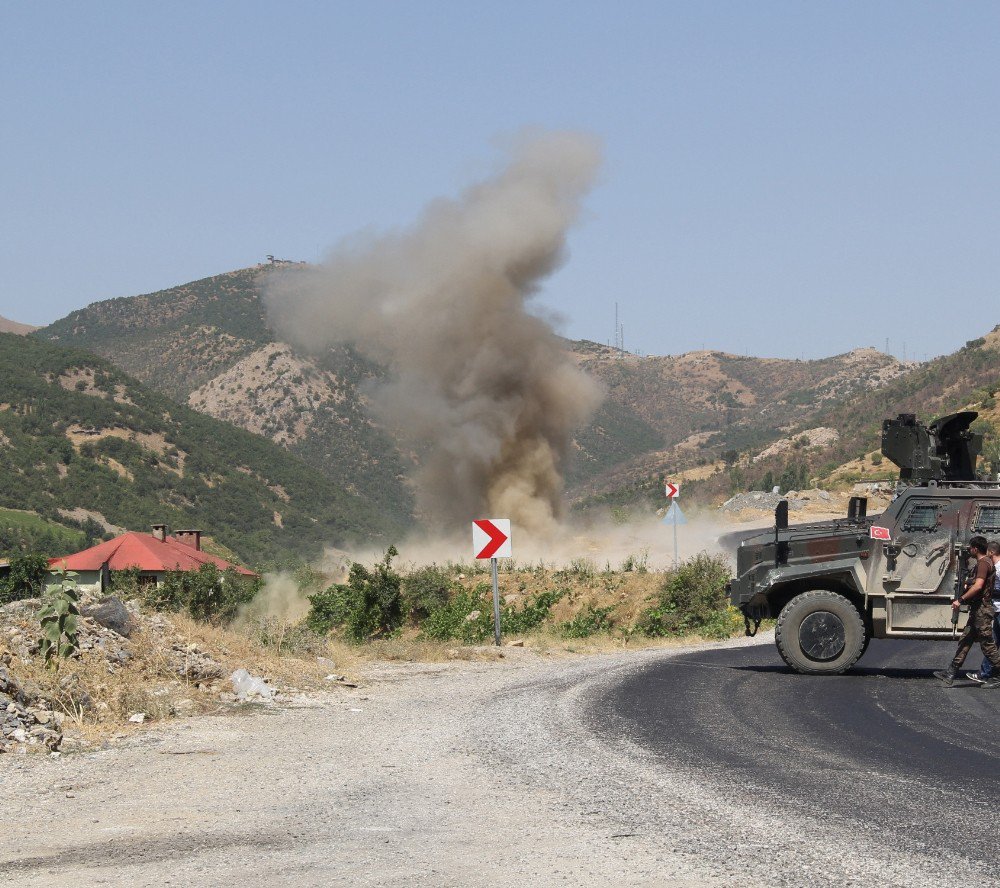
456, 774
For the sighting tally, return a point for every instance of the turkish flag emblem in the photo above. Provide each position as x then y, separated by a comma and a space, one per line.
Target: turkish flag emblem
880, 533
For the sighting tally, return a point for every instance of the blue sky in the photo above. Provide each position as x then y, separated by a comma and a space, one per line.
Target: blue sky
790, 179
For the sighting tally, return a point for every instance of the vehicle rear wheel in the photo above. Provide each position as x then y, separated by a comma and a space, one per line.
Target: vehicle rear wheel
820, 633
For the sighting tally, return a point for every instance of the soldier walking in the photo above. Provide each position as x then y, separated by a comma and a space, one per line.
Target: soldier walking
986, 670
979, 597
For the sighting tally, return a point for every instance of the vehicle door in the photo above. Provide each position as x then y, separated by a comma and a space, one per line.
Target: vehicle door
925, 540
921, 577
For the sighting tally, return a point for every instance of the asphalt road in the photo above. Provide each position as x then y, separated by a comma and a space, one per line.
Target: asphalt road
884, 750
688, 768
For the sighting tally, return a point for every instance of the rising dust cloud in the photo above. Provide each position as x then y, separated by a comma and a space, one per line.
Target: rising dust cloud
280, 599
478, 385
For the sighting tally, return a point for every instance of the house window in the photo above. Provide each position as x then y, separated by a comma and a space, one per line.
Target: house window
923, 516
987, 520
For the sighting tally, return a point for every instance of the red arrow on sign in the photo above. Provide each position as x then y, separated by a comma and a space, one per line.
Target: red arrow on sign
673, 490
497, 537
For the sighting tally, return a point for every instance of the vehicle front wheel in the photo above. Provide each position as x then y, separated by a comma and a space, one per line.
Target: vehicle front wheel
820, 633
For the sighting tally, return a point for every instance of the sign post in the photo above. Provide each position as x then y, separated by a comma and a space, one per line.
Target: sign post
496, 603
491, 539
673, 491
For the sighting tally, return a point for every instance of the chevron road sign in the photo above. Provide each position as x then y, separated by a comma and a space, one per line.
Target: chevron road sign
491, 538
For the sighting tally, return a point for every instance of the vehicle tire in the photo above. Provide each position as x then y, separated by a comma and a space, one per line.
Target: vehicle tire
820, 633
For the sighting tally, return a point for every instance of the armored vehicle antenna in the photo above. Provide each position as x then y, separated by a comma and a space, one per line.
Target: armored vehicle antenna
945, 450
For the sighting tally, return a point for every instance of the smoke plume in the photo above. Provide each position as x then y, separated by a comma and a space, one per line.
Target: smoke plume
478, 384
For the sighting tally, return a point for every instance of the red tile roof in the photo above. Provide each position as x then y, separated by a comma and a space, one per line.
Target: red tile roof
146, 552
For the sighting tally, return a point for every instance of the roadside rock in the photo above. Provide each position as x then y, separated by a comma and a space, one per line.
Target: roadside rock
189, 662
112, 614
25, 719
184, 707
759, 500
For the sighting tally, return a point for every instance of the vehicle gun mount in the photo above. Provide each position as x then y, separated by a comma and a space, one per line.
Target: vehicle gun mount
945, 450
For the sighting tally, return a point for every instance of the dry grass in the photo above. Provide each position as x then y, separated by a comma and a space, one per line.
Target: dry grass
627, 592
287, 657
97, 697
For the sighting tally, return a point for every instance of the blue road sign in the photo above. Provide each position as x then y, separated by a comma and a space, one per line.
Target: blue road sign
674, 512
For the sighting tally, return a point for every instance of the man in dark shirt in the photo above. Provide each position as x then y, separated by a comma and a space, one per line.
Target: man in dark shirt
986, 670
979, 597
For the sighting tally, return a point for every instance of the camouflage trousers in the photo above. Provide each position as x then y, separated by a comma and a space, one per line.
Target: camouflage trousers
979, 628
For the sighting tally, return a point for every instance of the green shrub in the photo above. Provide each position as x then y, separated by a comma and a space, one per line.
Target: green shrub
369, 605
206, 594
638, 563
328, 609
691, 599
25, 579
125, 583
451, 620
536, 610
588, 622
425, 591
308, 579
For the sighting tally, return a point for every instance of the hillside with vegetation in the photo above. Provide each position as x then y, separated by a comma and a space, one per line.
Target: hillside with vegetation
208, 344
87, 449
838, 444
675, 413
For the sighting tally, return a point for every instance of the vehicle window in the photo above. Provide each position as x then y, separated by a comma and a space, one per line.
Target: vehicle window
987, 520
923, 516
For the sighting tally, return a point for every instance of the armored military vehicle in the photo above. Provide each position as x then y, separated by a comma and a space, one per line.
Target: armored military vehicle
835, 585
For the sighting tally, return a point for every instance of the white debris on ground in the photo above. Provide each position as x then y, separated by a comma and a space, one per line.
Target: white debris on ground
880, 489
758, 500
821, 504
755, 504
246, 686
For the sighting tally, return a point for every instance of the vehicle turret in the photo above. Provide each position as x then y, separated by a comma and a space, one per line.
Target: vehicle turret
945, 450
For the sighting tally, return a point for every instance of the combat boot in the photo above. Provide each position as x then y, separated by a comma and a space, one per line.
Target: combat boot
947, 676
992, 682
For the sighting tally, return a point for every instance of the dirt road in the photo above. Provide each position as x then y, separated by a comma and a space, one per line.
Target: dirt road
457, 774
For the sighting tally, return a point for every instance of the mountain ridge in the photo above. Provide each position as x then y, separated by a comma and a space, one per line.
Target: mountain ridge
208, 344
15, 327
